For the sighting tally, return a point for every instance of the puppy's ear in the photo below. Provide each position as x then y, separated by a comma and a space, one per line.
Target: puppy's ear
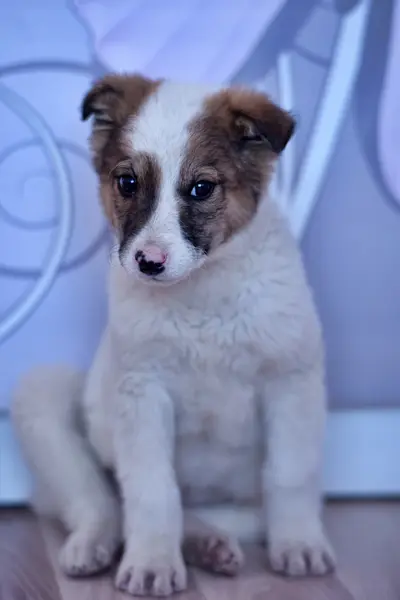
114, 98
102, 102
112, 101
259, 121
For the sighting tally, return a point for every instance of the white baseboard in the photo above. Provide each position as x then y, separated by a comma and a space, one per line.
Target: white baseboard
362, 454
361, 460
14, 478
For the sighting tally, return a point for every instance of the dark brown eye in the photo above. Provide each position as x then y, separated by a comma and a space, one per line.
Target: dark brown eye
127, 185
202, 190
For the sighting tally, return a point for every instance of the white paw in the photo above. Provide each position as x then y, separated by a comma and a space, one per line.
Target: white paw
85, 554
301, 556
151, 572
214, 552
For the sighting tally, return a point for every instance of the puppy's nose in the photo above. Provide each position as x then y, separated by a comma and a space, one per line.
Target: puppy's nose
151, 260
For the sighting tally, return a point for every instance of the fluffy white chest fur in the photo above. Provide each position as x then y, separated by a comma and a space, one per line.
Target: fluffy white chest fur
213, 342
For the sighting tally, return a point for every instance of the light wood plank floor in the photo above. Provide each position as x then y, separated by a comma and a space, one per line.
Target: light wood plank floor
366, 537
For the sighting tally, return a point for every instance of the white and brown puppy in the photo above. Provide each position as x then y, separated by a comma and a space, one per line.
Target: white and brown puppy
208, 385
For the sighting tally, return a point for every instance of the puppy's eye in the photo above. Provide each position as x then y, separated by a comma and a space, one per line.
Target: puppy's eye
202, 190
257, 137
127, 185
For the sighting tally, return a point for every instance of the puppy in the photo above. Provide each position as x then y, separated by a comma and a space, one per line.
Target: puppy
208, 384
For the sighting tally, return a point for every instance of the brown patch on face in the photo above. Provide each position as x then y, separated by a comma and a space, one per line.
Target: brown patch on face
133, 212
233, 144
113, 101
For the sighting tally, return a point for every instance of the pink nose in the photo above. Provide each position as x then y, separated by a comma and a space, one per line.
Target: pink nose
151, 253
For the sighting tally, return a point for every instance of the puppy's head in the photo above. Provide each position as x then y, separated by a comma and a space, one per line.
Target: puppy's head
182, 168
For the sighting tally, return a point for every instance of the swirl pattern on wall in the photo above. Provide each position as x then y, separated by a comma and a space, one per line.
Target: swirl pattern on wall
59, 225
39, 127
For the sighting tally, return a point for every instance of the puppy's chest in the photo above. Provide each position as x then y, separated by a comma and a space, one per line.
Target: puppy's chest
208, 363
202, 336
218, 437
212, 376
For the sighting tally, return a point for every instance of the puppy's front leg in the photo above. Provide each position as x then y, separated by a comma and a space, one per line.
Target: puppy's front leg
295, 411
144, 442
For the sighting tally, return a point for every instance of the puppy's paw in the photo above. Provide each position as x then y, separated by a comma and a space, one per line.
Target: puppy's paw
213, 552
151, 571
85, 554
301, 556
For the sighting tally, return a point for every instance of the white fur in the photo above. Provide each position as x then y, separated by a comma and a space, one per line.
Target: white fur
213, 388
160, 130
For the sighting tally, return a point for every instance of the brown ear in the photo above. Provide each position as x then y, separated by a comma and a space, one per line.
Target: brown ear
112, 101
114, 98
259, 121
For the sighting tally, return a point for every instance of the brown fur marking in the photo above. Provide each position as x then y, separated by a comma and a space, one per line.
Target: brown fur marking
113, 100
234, 143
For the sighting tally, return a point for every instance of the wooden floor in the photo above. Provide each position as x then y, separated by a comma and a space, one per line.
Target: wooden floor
366, 537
